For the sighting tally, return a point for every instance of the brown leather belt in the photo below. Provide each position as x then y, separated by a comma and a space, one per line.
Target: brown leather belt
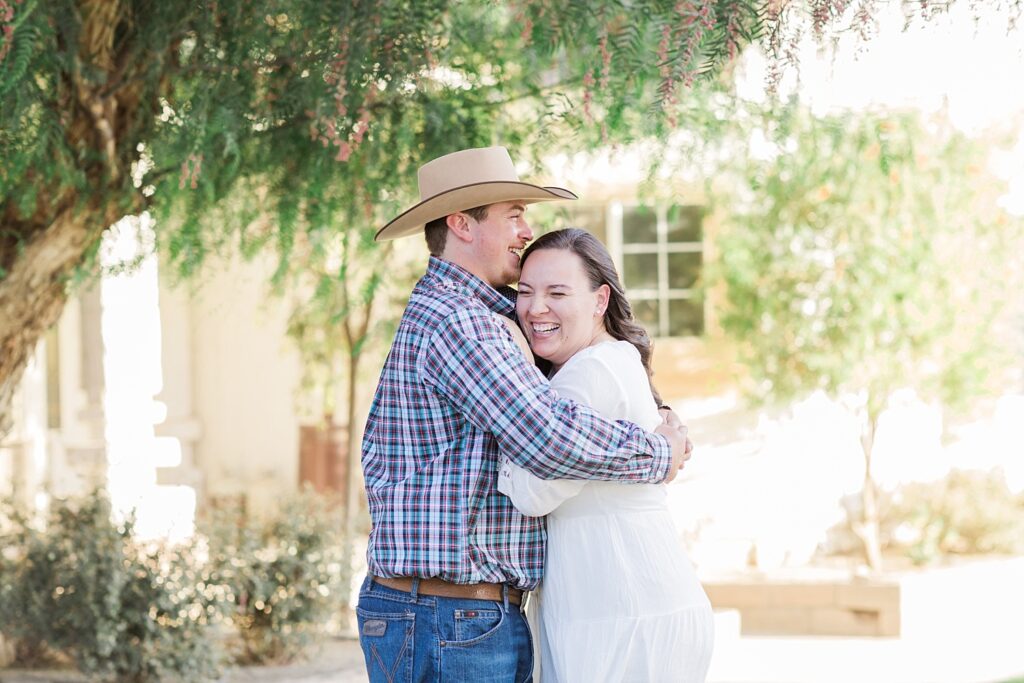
444, 589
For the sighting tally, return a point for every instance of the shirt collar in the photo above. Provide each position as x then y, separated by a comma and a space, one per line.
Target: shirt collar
446, 275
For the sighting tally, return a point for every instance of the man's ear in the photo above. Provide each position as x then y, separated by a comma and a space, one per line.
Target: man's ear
459, 226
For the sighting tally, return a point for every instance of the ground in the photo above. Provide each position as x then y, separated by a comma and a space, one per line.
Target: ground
737, 660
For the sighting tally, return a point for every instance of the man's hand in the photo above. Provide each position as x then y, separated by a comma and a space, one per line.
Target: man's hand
669, 417
681, 447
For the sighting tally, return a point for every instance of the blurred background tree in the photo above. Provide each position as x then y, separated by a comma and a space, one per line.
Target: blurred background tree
865, 254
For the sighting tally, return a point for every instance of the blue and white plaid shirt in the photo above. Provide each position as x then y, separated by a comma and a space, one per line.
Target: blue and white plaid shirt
455, 392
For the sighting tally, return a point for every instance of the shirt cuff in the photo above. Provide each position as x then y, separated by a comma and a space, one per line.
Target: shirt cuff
662, 458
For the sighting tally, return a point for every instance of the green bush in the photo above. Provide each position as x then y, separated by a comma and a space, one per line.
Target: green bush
81, 589
284, 575
968, 512
86, 588
19, 613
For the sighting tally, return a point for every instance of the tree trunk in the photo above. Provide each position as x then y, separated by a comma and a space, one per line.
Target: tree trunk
40, 251
352, 495
867, 528
35, 289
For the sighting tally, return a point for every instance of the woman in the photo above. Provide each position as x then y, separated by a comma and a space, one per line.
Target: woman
621, 601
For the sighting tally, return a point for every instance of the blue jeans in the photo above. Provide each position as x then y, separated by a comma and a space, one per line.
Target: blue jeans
410, 637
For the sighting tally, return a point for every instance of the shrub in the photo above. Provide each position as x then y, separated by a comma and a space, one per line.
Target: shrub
19, 613
86, 588
968, 512
283, 575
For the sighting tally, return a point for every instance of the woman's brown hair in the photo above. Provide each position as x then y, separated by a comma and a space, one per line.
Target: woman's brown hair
597, 263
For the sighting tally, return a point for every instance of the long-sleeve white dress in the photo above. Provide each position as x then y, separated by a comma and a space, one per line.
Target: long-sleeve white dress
620, 600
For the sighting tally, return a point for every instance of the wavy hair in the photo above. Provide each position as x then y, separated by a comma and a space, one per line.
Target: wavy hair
600, 270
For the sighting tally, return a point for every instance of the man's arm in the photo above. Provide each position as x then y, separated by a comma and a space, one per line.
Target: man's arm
472, 362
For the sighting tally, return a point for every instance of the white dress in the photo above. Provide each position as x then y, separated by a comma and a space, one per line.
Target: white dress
620, 600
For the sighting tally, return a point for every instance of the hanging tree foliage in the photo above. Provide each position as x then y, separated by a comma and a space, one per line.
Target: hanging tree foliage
313, 113
265, 126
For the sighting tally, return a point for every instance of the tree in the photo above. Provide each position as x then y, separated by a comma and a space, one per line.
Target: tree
862, 255
211, 114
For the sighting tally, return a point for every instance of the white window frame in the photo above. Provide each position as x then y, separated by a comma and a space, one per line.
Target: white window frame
618, 248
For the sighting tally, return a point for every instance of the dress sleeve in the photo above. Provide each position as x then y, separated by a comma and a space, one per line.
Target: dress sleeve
588, 382
531, 495
472, 362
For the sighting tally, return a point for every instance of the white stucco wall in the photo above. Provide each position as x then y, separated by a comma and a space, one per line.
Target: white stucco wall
244, 375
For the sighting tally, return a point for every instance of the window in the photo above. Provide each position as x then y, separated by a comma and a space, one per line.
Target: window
659, 252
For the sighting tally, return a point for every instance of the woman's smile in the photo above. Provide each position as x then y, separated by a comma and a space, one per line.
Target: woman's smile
557, 309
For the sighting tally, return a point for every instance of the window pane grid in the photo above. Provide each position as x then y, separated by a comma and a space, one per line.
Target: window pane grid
670, 247
684, 248
657, 273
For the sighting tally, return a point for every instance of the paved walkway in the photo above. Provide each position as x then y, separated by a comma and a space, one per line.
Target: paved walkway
736, 660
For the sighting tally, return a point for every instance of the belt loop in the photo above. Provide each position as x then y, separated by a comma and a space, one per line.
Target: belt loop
415, 587
504, 595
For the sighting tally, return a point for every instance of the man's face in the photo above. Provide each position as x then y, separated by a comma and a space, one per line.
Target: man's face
499, 240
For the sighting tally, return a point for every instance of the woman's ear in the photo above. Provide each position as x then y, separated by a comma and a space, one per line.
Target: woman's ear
459, 226
604, 293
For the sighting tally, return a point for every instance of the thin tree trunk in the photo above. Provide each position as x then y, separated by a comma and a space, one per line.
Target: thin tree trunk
352, 494
867, 528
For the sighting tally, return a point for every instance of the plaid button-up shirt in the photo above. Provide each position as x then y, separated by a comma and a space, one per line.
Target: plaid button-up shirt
455, 392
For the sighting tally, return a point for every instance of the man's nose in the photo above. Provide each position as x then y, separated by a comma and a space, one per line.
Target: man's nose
525, 231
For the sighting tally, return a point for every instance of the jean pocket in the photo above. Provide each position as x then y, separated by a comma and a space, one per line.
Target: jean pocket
387, 642
472, 626
492, 653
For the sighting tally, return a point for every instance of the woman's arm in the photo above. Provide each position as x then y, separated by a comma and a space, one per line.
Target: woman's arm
531, 495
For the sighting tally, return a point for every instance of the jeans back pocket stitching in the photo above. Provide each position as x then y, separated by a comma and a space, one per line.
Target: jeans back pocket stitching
380, 661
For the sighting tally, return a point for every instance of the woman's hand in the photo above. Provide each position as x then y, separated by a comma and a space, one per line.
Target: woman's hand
518, 336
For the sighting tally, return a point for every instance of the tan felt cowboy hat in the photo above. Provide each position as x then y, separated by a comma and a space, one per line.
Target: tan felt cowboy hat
464, 180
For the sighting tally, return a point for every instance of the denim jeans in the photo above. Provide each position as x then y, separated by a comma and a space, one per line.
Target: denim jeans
410, 637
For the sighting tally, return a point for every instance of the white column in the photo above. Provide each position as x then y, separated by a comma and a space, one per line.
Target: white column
78, 447
177, 396
23, 452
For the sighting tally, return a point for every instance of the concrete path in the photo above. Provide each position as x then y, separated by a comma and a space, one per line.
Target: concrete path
736, 660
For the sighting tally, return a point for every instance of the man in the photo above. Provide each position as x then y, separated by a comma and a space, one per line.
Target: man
449, 557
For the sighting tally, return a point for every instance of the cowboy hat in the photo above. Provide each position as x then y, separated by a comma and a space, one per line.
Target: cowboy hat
464, 180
